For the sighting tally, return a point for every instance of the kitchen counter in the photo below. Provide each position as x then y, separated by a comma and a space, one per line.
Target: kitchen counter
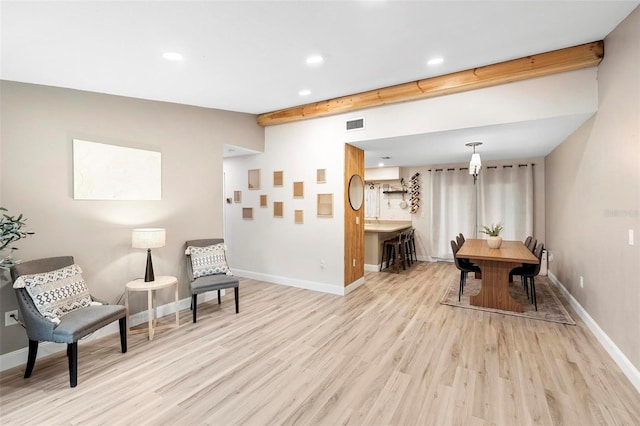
374, 235
386, 227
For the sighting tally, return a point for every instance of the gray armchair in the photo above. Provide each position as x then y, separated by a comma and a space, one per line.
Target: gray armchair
72, 327
209, 282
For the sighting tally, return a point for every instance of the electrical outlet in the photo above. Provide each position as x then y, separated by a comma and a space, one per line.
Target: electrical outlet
7, 318
581, 282
631, 242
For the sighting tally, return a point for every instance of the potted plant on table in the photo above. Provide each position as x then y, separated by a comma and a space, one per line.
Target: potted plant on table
495, 240
11, 231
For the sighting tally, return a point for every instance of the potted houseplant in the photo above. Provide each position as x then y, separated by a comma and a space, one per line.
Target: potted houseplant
11, 231
495, 240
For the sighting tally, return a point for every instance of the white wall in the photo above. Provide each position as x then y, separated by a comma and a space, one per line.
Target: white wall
308, 255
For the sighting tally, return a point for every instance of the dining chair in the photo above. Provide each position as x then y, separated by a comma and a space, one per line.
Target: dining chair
527, 241
528, 273
464, 266
532, 245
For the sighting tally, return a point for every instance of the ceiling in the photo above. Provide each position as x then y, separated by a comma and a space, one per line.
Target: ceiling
249, 56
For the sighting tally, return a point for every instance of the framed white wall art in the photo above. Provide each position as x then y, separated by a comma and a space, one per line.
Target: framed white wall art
110, 172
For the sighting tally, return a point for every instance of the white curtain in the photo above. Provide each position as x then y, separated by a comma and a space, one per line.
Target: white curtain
454, 204
506, 197
451, 208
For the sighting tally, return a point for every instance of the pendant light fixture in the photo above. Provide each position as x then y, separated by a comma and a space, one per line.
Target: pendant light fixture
475, 164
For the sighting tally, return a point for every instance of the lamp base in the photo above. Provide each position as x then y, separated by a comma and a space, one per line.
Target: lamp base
148, 275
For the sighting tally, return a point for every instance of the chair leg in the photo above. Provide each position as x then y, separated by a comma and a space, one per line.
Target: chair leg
523, 280
461, 285
194, 303
72, 349
413, 249
122, 322
236, 291
533, 293
31, 359
219, 301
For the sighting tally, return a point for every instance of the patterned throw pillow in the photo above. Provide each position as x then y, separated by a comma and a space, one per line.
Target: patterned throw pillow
56, 293
209, 260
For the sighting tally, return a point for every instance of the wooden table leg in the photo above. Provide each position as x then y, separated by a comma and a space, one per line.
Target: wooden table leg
494, 292
177, 311
126, 305
150, 309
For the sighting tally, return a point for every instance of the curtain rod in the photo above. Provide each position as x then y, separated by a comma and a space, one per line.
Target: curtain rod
451, 169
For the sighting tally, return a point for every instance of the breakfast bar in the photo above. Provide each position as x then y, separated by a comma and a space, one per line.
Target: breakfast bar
375, 234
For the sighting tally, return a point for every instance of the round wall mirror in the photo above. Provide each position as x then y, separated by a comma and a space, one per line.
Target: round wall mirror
356, 192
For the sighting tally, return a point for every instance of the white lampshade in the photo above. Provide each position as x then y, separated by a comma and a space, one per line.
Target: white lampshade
475, 164
148, 238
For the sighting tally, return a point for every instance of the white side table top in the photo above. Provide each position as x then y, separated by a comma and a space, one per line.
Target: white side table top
159, 282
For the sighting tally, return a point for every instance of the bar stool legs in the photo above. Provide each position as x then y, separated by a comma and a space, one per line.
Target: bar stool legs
399, 250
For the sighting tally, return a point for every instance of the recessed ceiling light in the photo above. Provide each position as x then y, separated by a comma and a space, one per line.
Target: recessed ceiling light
304, 92
435, 61
316, 59
380, 164
172, 56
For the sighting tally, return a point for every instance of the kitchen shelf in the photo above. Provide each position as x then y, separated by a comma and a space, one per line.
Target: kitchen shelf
395, 192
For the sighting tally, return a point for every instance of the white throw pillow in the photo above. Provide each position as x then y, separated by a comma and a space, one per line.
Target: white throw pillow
56, 293
209, 260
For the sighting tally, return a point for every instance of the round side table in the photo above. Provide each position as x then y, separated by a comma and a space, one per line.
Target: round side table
151, 287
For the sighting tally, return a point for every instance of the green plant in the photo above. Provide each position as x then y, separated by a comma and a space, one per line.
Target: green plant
493, 231
11, 227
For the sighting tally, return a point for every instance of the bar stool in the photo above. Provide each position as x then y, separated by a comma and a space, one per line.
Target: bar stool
410, 245
393, 250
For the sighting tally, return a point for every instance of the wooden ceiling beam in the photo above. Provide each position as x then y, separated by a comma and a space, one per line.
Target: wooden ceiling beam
557, 61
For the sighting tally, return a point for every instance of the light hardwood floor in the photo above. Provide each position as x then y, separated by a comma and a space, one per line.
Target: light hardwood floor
388, 353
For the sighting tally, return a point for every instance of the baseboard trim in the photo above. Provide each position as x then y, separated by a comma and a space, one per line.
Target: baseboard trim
371, 268
19, 357
618, 356
275, 279
354, 285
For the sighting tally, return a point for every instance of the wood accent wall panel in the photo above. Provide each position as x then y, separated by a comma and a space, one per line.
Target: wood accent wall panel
353, 232
539, 65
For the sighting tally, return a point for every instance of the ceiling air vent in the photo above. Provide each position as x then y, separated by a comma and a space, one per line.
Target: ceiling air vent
357, 124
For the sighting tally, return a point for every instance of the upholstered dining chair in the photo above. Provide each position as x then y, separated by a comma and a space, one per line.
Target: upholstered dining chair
528, 273
65, 319
211, 272
464, 266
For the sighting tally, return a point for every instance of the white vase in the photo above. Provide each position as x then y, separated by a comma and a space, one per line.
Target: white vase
5, 258
494, 242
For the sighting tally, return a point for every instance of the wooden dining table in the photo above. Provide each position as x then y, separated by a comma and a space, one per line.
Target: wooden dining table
495, 266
